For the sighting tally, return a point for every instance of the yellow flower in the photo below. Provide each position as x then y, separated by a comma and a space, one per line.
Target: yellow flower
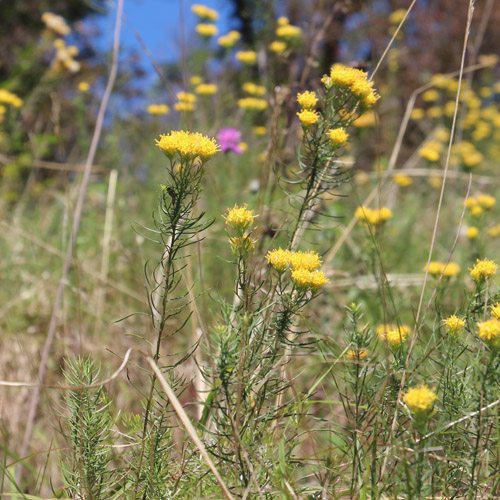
195, 80
430, 95
435, 112
396, 337
309, 261
307, 99
430, 151
470, 202
239, 217
3, 110
204, 12
279, 259
282, 21
486, 201
375, 217
397, 16
229, 40
243, 146
206, 30
56, 23
472, 232
399, 332
252, 103
288, 32
309, 279
417, 114
476, 211
158, 109
420, 399
308, 117
245, 243
338, 137
253, 89
365, 120
186, 97
277, 46
246, 56
454, 324
403, 180
495, 310
184, 106
494, 231
83, 87
206, 89
483, 269
437, 268
351, 78
489, 331
188, 145
260, 131
356, 354
10, 98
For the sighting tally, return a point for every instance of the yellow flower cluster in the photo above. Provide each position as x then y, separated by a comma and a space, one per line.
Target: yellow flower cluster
277, 46
253, 89
374, 217
337, 137
354, 80
83, 87
56, 24
186, 101
494, 231
357, 354
307, 99
304, 267
288, 32
449, 270
229, 40
468, 154
246, 56
187, 145
64, 58
206, 30
260, 130
489, 331
472, 232
397, 16
495, 310
420, 399
483, 269
308, 117
253, 103
206, 89
403, 180
392, 333
195, 80
454, 324
204, 12
431, 151
10, 98
240, 218
158, 109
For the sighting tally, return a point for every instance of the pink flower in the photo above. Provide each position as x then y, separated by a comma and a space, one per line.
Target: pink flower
229, 140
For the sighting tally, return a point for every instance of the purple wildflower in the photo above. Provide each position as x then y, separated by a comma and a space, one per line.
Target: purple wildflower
229, 140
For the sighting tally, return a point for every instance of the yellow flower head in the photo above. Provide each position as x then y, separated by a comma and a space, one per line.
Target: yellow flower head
403, 180
240, 218
338, 137
471, 202
252, 103
260, 130
483, 269
183, 106
489, 331
307, 99
83, 87
204, 12
10, 98
158, 109
454, 324
288, 32
254, 89
374, 217
420, 399
396, 337
282, 21
309, 279
243, 243
186, 97
486, 201
472, 232
495, 310
229, 40
351, 78
395, 332
188, 145
417, 114
430, 95
494, 231
277, 46
246, 56
397, 16
56, 23
279, 259
476, 210
195, 80
206, 30
437, 268
308, 117
206, 89
305, 260
357, 354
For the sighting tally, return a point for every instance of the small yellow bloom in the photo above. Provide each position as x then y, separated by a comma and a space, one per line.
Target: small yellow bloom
184, 106
430, 95
260, 131
397, 16
494, 231
253, 103
245, 243
277, 46
254, 89
471, 202
307, 99
279, 259
186, 97
83, 87
357, 354
420, 399
396, 337
158, 109
489, 331
282, 21
338, 137
206, 30
403, 180
308, 117
476, 211
309, 279
288, 32
204, 12
239, 217
246, 56
483, 269
206, 89
486, 201
195, 80
188, 145
472, 232
454, 324
56, 23
243, 146
435, 112
398, 332
495, 310
229, 40
305, 260
374, 217
437, 268
417, 114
